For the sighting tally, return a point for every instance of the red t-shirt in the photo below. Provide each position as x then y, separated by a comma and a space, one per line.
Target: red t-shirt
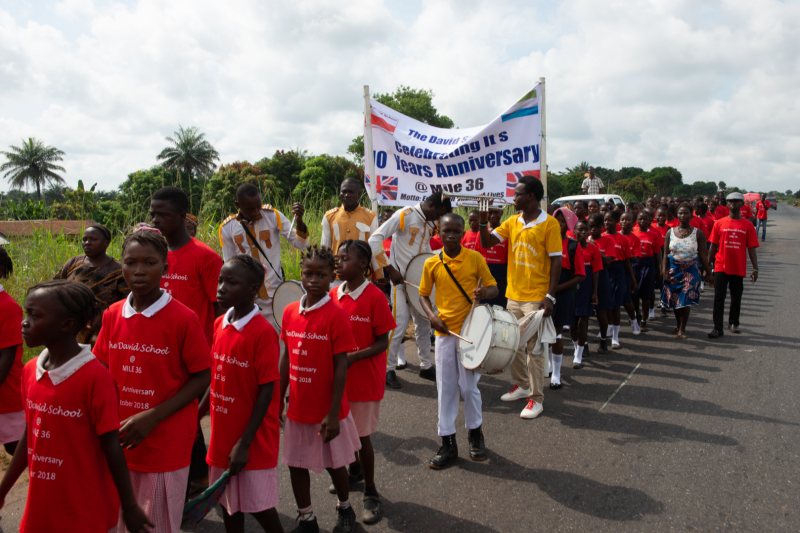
471, 240
370, 317
723, 211
192, 280
436, 242
580, 269
674, 223
312, 338
497, 254
635, 244
708, 220
607, 246
623, 246
761, 208
733, 238
746, 211
11, 335
71, 489
650, 242
698, 223
151, 359
716, 214
592, 258
662, 230
244, 360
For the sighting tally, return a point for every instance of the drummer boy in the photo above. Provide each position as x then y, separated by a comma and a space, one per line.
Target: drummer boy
468, 275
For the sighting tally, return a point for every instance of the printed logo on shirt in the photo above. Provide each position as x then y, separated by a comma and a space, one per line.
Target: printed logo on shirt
54, 410
222, 397
359, 318
177, 277
138, 348
227, 359
306, 335
143, 392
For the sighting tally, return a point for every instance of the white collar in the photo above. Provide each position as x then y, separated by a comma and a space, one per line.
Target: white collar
242, 322
355, 294
541, 218
323, 301
128, 310
60, 374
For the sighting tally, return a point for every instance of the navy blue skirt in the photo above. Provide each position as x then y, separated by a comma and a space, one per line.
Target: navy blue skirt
583, 296
604, 302
645, 272
564, 310
617, 285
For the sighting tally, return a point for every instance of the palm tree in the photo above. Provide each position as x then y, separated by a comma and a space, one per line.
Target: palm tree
32, 163
189, 152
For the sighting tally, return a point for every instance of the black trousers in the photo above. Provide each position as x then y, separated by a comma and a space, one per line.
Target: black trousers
721, 283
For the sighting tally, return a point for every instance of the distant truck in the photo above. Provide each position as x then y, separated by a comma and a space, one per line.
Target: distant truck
773, 202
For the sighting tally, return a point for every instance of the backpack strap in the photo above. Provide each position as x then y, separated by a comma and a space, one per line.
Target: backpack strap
441, 258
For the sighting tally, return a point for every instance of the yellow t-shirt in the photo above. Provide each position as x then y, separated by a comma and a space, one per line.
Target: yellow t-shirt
530, 248
467, 267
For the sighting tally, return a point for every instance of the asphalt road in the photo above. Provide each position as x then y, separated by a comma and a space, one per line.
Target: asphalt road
704, 436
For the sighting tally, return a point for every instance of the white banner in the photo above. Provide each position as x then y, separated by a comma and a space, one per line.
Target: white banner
413, 160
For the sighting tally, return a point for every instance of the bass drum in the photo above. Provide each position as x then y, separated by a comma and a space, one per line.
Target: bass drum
495, 334
288, 292
413, 274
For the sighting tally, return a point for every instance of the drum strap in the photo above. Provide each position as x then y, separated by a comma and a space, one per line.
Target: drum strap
246, 230
441, 258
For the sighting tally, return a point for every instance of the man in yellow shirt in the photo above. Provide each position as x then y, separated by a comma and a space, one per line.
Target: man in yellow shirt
534, 268
454, 304
350, 221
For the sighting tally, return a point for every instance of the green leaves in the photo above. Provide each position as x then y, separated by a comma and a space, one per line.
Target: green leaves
189, 152
32, 165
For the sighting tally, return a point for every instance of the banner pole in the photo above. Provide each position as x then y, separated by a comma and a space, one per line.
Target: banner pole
368, 149
543, 150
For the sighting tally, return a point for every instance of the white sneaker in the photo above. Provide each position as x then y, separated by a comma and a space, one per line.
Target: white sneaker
615, 345
635, 327
566, 328
532, 410
517, 393
652, 313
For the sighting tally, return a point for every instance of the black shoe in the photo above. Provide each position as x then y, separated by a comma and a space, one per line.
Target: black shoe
477, 449
402, 367
585, 350
345, 520
734, 328
555, 386
603, 346
428, 373
577, 366
391, 380
306, 526
715, 333
372, 508
448, 450
643, 326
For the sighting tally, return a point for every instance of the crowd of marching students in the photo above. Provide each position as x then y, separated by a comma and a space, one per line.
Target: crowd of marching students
107, 431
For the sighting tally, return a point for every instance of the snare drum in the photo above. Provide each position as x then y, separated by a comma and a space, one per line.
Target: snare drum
289, 291
495, 334
413, 275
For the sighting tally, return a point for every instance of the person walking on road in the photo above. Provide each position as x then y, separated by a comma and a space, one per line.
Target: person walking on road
534, 270
761, 216
731, 240
592, 185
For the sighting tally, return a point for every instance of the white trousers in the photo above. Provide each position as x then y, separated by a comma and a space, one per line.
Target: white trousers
452, 377
422, 330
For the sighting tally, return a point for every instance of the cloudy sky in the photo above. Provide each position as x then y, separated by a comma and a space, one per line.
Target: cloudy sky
708, 87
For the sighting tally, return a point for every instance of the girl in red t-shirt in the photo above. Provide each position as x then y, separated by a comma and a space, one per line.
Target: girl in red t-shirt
605, 302
319, 433
244, 400
12, 415
72, 419
157, 352
620, 273
586, 294
371, 322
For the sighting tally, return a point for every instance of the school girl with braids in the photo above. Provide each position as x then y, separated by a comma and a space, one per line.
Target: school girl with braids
371, 322
12, 415
319, 433
79, 482
156, 349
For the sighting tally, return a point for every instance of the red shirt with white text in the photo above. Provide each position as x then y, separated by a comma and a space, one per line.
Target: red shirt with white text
580, 269
733, 238
591, 257
650, 242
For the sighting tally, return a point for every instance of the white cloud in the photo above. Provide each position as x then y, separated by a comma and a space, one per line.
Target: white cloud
707, 87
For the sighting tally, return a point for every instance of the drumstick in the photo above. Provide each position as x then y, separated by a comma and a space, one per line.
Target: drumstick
474, 303
407, 283
291, 226
460, 337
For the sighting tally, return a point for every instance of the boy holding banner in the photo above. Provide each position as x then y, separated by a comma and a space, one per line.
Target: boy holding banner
534, 268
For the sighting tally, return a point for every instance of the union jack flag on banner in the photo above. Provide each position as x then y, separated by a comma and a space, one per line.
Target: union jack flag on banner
386, 189
513, 177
